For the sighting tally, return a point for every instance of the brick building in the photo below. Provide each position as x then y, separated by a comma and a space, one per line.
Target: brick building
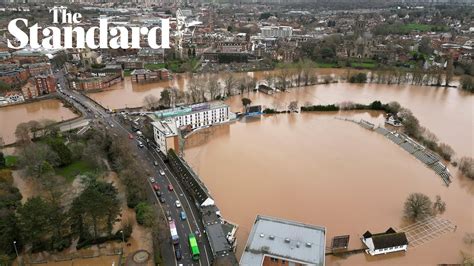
45, 84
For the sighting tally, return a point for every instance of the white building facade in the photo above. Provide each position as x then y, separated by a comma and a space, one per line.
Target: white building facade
384, 243
167, 123
276, 31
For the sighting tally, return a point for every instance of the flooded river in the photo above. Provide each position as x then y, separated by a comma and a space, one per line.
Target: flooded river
447, 112
315, 169
11, 116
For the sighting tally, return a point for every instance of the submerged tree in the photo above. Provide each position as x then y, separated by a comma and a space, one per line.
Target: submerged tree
439, 206
246, 102
418, 206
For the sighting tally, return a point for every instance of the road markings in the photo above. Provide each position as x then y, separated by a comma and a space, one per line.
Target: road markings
186, 199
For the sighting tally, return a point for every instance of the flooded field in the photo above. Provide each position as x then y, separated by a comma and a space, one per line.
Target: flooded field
11, 116
316, 169
447, 112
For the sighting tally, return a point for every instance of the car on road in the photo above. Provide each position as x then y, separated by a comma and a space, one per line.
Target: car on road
158, 193
178, 204
170, 187
162, 172
182, 215
155, 163
162, 200
156, 187
177, 252
152, 179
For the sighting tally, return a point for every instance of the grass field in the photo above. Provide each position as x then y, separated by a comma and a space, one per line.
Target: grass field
71, 171
10, 160
155, 66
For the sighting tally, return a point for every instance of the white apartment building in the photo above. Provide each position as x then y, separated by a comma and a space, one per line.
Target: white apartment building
276, 31
167, 123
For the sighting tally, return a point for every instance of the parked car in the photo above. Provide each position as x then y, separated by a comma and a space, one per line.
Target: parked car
162, 172
155, 163
156, 187
162, 200
182, 215
177, 252
158, 193
140, 144
178, 204
152, 179
130, 136
170, 187
168, 215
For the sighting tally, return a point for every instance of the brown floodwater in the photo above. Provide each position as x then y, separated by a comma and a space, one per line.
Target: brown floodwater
447, 112
316, 169
11, 116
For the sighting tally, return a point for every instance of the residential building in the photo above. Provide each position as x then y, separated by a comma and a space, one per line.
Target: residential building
166, 135
45, 84
29, 90
96, 83
383, 243
39, 69
274, 241
146, 75
107, 70
14, 77
151, 56
166, 123
276, 31
130, 63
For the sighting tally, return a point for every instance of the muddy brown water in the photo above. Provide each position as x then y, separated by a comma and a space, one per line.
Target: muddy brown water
319, 170
447, 112
11, 116
315, 169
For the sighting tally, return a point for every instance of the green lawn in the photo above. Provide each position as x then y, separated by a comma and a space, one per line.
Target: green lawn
327, 65
368, 65
71, 171
155, 66
11, 160
127, 73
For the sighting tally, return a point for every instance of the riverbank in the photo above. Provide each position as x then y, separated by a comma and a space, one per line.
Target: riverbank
49, 109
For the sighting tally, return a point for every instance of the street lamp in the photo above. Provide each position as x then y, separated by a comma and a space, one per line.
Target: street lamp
123, 241
16, 251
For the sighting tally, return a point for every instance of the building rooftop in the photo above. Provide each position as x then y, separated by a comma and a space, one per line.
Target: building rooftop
283, 239
218, 239
186, 110
168, 127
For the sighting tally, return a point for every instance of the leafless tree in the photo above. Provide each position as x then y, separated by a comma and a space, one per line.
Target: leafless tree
449, 70
213, 88
293, 106
229, 85
466, 165
22, 133
439, 206
418, 206
151, 101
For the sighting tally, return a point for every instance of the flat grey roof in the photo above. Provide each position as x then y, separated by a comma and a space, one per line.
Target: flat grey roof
292, 241
217, 239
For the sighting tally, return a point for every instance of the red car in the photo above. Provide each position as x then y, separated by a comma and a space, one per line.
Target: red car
130, 136
170, 187
156, 187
